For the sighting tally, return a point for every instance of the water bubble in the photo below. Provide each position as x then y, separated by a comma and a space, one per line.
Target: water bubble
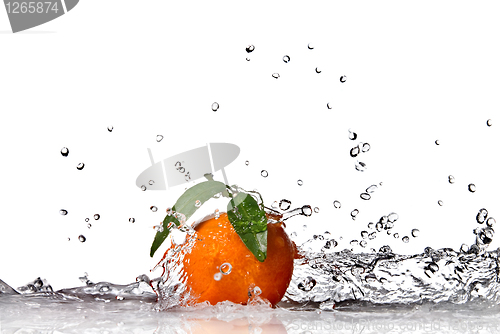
250, 48
354, 213
300, 182
110, 128
215, 106
451, 179
131, 220
328, 105
316, 210
307, 284
365, 196
364, 234
343, 78
247, 163
396, 235
310, 46
363, 243
286, 59
436, 142
366, 147
143, 188
371, 189
354, 151
97, 216
336, 204
481, 216
489, 122
353, 136
406, 239
276, 75
415, 232
82, 238
360, 166
472, 187
285, 204
264, 173
159, 138
197, 203
440, 203
63, 212
217, 276
153, 208
89, 225
64, 151
226, 268
317, 70
80, 166
491, 222
392, 217
306, 210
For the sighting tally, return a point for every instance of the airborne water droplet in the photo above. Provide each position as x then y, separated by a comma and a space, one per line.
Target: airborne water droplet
215, 106
250, 48
440, 202
415, 232
131, 220
143, 188
406, 239
247, 163
336, 204
226, 268
87, 220
371, 189
63, 212
310, 46
489, 122
64, 151
491, 222
110, 128
451, 179
396, 235
316, 210
159, 138
97, 216
80, 166
82, 238
354, 213
300, 182
286, 59
89, 225
154, 208
276, 75
354, 151
264, 173
343, 78
328, 105
365, 196
306, 210
392, 217
437, 142
366, 147
317, 70
353, 136
364, 234
481, 216
360, 166
285, 204
472, 187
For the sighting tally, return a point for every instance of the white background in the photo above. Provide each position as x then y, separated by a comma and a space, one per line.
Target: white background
416, 72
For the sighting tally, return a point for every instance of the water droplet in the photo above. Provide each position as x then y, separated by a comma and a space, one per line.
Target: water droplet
436, 142
451, 179
82, 238
489, 122
396, 235
365, 196
276, 75
464, 248
354, 243
293, 234
143, 188
385, 249
131, 220
64, 151
363, 243
310, 46
364, 234
215, 106
440, 202
353, 136
372, 235
63, 212
328, 105
371, 189
300, 182
264, 173
89, 225
217, 276
159, 138
336, 204
226, 268
307, 284
80, 166
491, 221
392, 217
415, 232
286, 59
360, 166
354, 213
481, 216
366, 147
406, 239
87, 220
153, 208
158, 228
343, 78
257, 291
472, 187
317, 70
250, 48
306, 210
248, 59
197, 203
217, 213
247, 163
110, 128
285, 204
316, 210
379, 226
370, 225
97, 216
354, 151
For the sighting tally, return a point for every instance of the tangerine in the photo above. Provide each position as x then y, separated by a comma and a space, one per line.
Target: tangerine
219, 266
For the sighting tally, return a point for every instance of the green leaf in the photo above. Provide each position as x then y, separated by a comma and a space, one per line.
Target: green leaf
250, 222
187, 204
